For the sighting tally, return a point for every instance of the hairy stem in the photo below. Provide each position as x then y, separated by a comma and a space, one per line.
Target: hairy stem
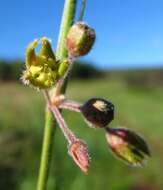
50, 123
61, 122
71, 105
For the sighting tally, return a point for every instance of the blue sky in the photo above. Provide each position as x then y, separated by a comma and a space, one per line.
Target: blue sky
129, 32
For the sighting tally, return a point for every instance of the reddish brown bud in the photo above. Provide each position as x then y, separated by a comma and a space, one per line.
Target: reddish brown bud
80, 39
128, 146
79, 152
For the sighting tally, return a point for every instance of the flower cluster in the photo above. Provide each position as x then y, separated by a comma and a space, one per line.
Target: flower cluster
44, 71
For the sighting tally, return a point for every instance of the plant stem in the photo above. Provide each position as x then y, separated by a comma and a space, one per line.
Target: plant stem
63, 126
46, 151
71, 105
50, 123
67, 20
60, 120
82, 10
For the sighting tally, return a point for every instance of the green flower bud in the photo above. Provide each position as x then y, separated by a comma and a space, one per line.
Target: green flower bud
42, 69
46, 54
128, 146
46, 49
98, 112
31, 58
63, 67
80, 39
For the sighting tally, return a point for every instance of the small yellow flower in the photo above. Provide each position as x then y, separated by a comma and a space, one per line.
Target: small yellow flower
42, 69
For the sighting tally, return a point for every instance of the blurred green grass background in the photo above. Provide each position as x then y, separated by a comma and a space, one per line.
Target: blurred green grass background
138, 107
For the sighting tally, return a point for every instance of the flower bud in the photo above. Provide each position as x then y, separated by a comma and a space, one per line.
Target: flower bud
63, 67
46, 54
128, 146
98, 112
46, 49
80, 39
78, 151
42, 69
31, 58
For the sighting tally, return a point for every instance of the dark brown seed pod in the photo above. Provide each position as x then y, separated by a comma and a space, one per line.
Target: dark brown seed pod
98, 112
80, 39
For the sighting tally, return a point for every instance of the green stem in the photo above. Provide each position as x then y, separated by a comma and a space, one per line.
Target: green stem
46, 151
82, 10
50, 123
67, 20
